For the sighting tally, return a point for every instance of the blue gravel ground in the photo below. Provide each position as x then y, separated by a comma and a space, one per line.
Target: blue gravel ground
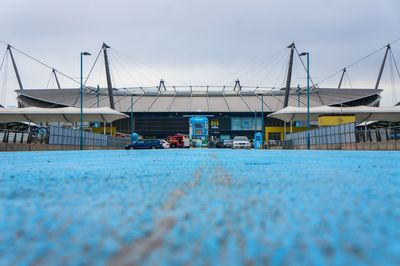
200, 207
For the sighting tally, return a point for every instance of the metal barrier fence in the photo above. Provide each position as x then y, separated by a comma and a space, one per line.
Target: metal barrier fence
273, 144
61, 136
69, 136
15, 137
341, 134
117, 142
325, 135
379, 134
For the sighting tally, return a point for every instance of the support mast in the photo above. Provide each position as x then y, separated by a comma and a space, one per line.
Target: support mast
289, 75
15, 68
341, 78
382, 67
108, 76
56, 78
237, 85
162, 85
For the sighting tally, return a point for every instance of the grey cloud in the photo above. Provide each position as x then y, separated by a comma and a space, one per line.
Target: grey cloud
180, 35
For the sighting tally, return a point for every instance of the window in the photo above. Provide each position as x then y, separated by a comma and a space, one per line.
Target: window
245, 123
273, 122
274, 136
198, 129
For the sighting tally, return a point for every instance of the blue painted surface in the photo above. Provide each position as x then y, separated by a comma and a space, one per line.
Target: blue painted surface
227, 207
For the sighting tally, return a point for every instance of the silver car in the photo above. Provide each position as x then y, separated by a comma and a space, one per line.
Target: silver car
227, 143
241, 142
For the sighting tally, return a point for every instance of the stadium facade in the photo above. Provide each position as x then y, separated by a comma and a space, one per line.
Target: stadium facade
161, 111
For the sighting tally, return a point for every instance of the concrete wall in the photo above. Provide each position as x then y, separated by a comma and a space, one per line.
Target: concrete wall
47, 147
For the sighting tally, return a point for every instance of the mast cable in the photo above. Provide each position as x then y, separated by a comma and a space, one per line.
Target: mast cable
358, 61
91, 69
2, 61
48, 81
395, 63
40, 62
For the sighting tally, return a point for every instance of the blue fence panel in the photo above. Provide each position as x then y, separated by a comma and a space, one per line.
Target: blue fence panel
345, 133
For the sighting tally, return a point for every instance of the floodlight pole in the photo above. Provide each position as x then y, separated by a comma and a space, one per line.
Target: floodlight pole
262, 118
132, 129
255, 121
308, 98
81, 96
308, 101
98, 96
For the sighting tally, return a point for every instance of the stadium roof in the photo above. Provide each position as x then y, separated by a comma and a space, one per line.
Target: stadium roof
192, 100
66, 114
362, 113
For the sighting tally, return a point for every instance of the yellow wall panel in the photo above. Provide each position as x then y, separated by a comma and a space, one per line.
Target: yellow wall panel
335, 120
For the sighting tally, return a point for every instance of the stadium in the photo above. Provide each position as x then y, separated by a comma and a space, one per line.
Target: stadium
164, 110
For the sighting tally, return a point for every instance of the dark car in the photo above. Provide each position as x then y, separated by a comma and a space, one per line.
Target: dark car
145, 144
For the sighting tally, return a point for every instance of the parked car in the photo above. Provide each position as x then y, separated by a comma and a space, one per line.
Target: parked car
178, 141
228, 143
165, 143
241, 142
145, 144
215, 144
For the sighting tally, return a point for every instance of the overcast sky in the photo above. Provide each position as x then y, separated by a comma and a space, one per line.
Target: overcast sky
200, 42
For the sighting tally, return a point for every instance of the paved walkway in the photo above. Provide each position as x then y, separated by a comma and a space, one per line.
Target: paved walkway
179, 207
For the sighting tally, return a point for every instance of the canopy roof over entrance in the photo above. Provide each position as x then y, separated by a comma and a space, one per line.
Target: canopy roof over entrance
362, 113
67, 114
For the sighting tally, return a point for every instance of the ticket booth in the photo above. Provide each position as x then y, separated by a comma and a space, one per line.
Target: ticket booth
258, 141
198, 131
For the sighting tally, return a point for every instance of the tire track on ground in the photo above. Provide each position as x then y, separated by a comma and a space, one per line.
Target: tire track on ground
139, 250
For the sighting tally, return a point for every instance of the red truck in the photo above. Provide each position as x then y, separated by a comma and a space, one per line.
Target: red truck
178, 141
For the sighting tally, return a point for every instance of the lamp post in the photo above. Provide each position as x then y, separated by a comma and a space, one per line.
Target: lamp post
81, 95
262, 119
132, 122
308, 97
98, 96
255, 121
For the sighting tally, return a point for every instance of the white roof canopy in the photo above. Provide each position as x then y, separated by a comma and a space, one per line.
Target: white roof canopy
362, 113
206, 100
67, 114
